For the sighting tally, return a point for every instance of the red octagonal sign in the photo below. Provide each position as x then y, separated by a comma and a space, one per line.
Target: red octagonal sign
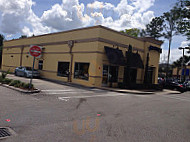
35, 51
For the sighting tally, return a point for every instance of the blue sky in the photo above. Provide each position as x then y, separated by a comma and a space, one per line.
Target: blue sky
28, 17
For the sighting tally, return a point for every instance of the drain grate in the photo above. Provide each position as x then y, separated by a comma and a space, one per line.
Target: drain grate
4, 132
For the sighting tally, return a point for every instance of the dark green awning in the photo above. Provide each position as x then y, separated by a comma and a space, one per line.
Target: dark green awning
115, 56
134, 60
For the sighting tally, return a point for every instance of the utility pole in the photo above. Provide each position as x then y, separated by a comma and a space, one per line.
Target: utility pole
182, 64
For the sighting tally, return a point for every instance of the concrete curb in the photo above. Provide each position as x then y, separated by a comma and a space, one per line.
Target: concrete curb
127, 91
171, 91
102, 88
21, 90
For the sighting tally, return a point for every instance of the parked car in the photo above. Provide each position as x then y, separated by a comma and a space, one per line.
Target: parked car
186, 84
26, 72
169, 84
161, 81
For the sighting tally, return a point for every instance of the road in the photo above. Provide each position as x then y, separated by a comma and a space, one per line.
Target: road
68, 114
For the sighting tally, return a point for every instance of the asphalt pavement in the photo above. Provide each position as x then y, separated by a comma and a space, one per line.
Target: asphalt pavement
69, 114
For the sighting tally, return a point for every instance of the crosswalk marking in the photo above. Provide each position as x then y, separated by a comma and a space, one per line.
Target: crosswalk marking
54, 93
56, 90
92, 96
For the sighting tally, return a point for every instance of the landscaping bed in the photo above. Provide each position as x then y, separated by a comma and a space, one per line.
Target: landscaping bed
17, 84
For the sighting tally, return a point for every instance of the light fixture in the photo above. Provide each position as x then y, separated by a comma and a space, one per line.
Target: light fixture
180, 48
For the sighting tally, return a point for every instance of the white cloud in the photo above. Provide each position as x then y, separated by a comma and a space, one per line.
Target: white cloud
17, 16
13, 14
175, 54
124, 8
142, 5
128, 16
95, 5
65, 16
185, 43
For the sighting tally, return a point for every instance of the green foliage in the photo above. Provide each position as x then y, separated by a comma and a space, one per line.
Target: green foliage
1, 46
6, 81
1, 79
132, 32
171, 23
154, 28
15, 83
4, 74
1, 40
184, 25
178, 62
27, 85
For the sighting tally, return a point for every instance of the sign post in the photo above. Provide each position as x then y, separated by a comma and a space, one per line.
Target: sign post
34, 51
32, 73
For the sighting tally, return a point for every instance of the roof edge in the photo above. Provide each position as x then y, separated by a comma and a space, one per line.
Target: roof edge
145, 39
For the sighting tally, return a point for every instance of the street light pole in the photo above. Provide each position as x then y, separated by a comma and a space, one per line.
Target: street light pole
182, 67
182, 63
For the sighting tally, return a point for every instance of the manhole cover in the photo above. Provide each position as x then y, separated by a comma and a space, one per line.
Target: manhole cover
6, 132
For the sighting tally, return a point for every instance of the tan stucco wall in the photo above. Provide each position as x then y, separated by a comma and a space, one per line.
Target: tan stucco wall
88, 52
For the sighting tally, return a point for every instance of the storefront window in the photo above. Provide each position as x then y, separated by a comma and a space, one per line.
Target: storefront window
63, 69
40, 65
110, 74
105, 74
81, 71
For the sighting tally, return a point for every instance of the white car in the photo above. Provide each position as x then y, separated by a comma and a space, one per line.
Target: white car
26, 72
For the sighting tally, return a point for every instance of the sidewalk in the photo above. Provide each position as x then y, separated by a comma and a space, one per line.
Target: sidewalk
44, 82
142, 92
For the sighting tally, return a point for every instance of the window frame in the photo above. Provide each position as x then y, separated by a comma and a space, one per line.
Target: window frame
87, 78
63, 75
40, 64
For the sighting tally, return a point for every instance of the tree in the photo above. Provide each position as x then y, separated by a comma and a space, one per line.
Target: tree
177, 64
184, 25
167, 26
1, 46
132, 32
154, 28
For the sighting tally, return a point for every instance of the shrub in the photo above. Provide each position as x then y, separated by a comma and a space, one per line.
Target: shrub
6, 81
1, 79
22, 84
4, 74
27, 85
15, 83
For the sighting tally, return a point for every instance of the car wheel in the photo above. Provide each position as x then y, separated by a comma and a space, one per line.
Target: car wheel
16, 73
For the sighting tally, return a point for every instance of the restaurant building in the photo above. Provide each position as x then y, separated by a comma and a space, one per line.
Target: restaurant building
93, 56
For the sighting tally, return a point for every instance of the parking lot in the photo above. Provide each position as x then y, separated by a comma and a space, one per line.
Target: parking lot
70, 114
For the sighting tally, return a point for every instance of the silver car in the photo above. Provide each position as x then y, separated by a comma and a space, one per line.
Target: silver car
26, 72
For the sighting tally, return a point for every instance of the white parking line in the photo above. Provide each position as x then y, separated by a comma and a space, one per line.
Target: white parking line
64, 99
77, 97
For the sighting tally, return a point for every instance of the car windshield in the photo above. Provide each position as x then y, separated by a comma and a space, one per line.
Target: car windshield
30, 69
